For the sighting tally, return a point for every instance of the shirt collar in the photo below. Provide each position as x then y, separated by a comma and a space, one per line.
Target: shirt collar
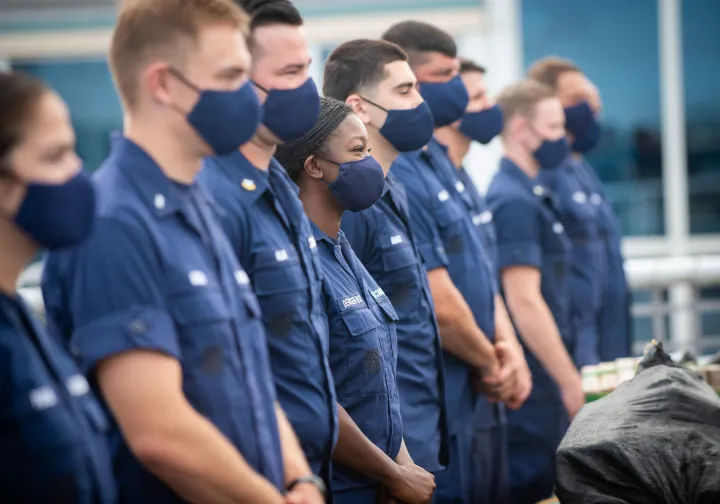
158, 192
537, 187
321, 236
242, 174
434, 143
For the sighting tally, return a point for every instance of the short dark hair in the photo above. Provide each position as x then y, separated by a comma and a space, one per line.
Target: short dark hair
269, 12
294, 154
358, 65
416, 38
19, 95
548, 70
467, 65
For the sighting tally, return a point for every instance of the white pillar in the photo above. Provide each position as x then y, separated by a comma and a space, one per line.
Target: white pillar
498, 47
684, 322
316, 67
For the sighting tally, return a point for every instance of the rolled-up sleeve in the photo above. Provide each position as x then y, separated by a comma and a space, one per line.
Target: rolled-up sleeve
519, 239
113, 295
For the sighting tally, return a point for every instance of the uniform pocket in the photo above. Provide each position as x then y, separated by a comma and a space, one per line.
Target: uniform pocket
449, 218
282, 289
365, 376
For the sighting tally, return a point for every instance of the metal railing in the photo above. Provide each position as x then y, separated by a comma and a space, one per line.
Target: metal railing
659, 276
656, 275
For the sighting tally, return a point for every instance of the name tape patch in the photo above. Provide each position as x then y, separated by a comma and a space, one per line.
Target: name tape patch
352, 301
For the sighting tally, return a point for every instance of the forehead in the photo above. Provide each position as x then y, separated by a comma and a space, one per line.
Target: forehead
220, 44
435, 61
50, 117
473, 79
280, 40
351, 127
398, 72
572, 82
549, 108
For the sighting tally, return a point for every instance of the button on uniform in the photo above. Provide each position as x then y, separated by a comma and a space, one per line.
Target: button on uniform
272, 238
383, 241
447, 239
614, 321
363, 356
580, 220
52, 431
529, 234
127, 288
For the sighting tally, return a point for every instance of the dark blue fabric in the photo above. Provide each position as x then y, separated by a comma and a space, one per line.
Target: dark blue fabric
529, 233
383, 241
442, 227
363, 354
615, 321
159, 274
491, 465
272, 238
581, 220
52, 430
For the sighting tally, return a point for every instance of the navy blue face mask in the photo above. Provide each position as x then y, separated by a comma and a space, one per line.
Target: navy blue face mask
551, 154
407, 129
482, 126
57, 216
447, 100
224, 119
359, 184
290, 113
581, 122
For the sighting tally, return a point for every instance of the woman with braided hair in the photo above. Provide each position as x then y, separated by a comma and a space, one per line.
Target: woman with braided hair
332, 166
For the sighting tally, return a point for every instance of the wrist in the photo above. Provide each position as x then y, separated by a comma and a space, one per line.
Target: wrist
310, 480
570, 379
389, 473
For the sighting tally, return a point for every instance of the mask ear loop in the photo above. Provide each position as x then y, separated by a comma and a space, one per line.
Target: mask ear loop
184, 80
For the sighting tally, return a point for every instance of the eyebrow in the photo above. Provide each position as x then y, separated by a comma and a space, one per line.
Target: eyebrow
233, 70
296, 66
446, 71
363, 138
407, 84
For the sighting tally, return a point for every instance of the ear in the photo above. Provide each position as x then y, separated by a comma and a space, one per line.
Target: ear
312, 167
157, 80
516, 124
359, 107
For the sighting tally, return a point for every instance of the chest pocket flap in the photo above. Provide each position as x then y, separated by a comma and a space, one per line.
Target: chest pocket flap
359, 321
397, 250
278, 271
388, 309
201, 305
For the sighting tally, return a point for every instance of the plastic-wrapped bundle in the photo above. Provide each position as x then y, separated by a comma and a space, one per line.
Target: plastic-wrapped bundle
655, 439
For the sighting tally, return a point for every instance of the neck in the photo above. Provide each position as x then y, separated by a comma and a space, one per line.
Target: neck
178, 160
458, 144
523, 159
16, 252
258, 152
383, 152
576, 156
321, 206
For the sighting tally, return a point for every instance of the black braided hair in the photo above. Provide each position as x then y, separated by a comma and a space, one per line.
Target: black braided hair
293, 155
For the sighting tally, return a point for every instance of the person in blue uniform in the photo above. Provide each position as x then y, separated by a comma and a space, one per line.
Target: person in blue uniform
374, 79
534, 260
154, 305
53, 447
481, 355
582, 105
335, 173
271, 234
